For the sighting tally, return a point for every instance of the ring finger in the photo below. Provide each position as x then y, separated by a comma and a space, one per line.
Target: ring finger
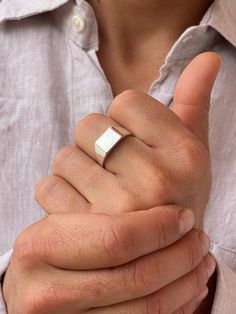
135, 164
93, 126
86, 176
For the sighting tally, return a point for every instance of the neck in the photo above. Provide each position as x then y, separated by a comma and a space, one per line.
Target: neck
136, 35
127, 23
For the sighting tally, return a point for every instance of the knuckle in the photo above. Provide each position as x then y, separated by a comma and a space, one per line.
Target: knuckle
161, 185
46, 188
117, 243
156, 304
165, 216
194, 252
191, 256
40, 299
154, 189
152, 304
197, 282
64, 156
38, 243
92, 120
162, 219
28, 303
53, 235
142, 276
181, 311
127, 96
24, 251
92, 175
127, 202
162, 234
195, 157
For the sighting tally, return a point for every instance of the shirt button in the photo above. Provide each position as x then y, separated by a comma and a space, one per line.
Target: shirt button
78, 23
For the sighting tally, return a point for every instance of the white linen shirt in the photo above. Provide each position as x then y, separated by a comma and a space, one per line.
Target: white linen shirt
50, 78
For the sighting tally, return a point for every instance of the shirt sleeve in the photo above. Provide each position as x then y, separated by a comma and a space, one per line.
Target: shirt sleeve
4, 262
225, 295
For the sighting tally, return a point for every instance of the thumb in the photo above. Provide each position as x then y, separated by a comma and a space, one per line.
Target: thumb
193, 92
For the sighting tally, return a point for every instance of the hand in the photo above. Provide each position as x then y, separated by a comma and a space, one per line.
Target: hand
165, 162
97, 263
174, 148
179, 155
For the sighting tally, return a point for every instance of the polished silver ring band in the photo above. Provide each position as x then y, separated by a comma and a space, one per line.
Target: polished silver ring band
107, 142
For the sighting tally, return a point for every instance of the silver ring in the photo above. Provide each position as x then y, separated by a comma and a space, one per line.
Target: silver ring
107, 142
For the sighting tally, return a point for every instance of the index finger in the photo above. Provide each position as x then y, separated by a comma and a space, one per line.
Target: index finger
147, 119
93, 241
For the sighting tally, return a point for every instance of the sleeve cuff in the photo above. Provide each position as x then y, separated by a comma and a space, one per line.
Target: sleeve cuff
4, 262
225, 295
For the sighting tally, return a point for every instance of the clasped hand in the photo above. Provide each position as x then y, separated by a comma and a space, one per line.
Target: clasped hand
120, 239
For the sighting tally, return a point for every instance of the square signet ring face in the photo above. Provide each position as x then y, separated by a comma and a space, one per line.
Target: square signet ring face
106, 143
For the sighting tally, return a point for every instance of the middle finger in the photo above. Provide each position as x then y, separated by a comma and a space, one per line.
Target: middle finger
85, 175
137, 167
125, 156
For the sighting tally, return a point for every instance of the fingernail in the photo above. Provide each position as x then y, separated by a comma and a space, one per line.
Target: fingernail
205, 242
186, 220
211, 265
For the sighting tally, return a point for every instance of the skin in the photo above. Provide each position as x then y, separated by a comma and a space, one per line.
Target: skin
165, 161
87, 191
92, 256
114, 268
135, 37
39, 258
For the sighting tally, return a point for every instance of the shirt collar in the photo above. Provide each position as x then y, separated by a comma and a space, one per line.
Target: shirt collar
221, 15
16, 9
87, 38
